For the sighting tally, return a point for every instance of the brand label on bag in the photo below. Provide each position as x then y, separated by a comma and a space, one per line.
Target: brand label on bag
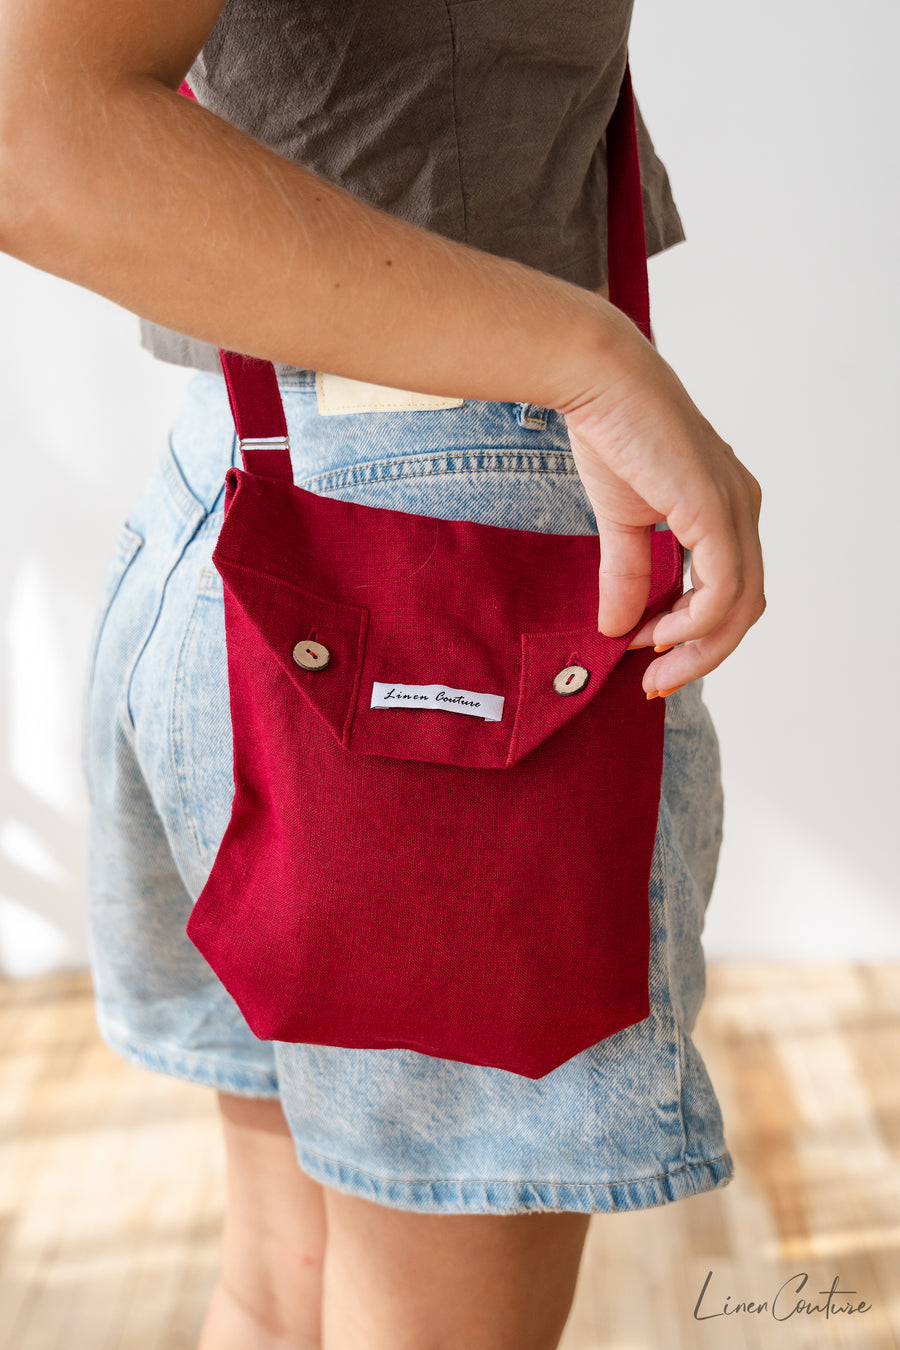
438, 696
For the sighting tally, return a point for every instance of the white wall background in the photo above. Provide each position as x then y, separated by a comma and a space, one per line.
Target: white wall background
778, 125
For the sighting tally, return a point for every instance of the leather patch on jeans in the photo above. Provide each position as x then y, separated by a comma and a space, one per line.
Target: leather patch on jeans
337, 394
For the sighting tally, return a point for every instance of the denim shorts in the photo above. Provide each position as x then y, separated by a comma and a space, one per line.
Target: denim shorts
629, 1123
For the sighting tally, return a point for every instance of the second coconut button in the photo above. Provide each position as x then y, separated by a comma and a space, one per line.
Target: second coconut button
571, 680
311, 655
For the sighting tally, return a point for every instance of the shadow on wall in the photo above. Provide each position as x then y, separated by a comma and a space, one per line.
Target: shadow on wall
82, 422
54, 541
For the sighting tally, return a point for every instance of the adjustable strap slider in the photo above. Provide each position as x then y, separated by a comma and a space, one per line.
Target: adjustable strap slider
264, 443
267, 456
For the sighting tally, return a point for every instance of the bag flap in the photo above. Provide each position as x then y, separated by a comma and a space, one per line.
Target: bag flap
406, 605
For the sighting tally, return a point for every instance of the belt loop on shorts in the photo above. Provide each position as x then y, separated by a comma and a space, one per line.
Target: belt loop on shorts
531, 415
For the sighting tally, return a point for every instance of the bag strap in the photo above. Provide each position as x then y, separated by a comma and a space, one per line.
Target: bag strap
252, 384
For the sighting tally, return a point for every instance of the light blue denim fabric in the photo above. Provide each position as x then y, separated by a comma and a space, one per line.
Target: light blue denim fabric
629, 1123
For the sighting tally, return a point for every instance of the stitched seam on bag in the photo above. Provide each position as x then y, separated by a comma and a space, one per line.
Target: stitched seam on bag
585, 630
357, 684
514, 738
283, 581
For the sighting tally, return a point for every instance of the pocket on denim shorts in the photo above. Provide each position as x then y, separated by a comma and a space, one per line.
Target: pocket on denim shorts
128, 546
201, 743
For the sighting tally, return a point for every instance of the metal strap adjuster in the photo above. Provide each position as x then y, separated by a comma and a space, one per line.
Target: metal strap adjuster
263, 443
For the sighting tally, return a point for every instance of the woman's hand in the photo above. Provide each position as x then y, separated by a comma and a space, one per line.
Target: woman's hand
646, 454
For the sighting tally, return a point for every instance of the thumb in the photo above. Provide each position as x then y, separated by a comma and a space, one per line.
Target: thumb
625, 566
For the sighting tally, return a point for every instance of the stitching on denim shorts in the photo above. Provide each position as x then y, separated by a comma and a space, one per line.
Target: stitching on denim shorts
204, 592
159, 1053
444, 463
142, 1051
532, 415
160, 594
515, 1181
128, 546
193, 517
676, 1029
210, 583
185, 500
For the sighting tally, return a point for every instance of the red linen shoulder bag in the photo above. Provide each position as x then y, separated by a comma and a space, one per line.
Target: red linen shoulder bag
446, 780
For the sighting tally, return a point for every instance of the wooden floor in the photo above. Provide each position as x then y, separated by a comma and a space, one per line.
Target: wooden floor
111, 1181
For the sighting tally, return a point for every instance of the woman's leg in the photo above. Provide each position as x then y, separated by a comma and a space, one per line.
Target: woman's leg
397, 1280
269, 1292
388, 1279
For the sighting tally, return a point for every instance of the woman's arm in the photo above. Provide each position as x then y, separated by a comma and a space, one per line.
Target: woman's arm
115, 182
111, 179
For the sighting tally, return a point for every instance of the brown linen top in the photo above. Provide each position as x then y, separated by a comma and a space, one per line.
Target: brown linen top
483, 120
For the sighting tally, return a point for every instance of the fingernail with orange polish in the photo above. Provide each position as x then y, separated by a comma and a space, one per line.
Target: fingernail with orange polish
663, 692
654, 694
664, 649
